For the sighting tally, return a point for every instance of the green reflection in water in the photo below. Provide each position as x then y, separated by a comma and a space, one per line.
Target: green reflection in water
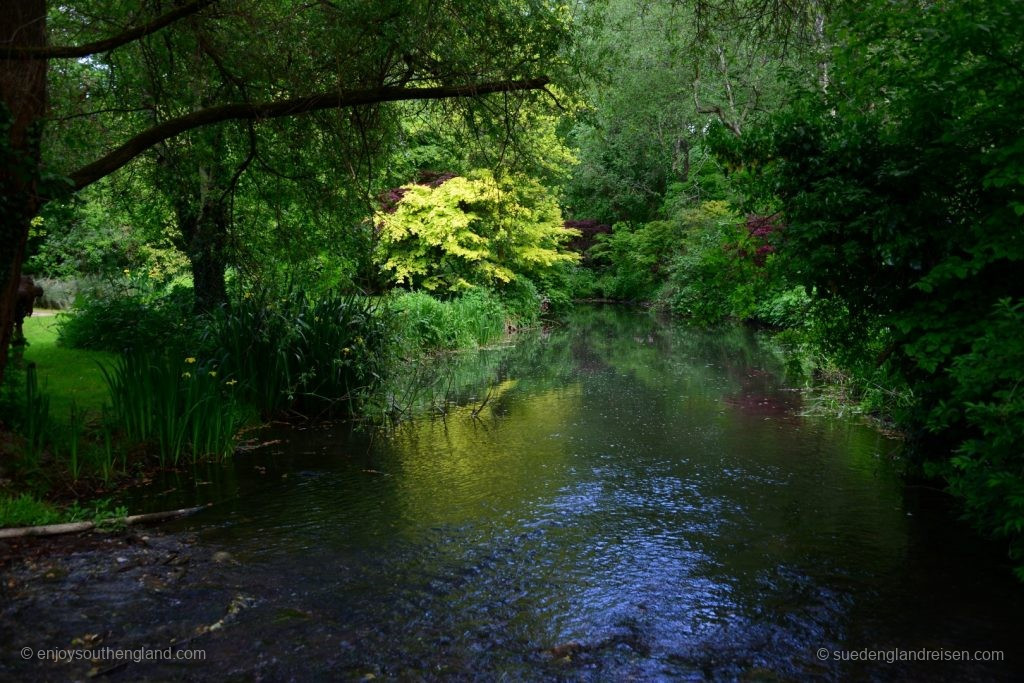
645, 489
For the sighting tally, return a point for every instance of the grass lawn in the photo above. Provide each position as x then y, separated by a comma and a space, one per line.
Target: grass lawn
65, 374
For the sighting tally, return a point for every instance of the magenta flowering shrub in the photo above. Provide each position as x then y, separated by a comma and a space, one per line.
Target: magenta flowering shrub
589, 230
762, 231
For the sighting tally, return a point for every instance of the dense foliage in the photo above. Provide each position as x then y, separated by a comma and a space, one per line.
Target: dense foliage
472, 231
249, 121
851, 177
902, 188
873, 210
296, 352
133, 312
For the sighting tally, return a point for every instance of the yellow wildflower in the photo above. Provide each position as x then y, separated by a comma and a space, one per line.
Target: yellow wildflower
190, 360
231, 382
213, 373
186, 375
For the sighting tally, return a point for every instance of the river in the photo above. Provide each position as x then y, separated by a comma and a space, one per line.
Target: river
617, 498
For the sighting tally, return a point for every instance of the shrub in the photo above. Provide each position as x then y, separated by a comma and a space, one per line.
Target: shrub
122, 324
136, 313
986, 405
709, 281
473, 319
634, 258
523, 303
471, 231
785, 308
24, 510
577, 282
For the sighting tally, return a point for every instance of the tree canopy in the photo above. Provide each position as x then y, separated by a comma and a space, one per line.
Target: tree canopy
220, 61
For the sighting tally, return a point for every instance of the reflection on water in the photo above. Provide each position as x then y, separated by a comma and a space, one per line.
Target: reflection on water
619, 497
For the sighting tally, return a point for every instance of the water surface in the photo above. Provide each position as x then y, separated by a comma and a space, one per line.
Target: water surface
620, 497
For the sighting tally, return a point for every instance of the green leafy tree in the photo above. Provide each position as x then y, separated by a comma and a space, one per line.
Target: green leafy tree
472, 231
93, 235
661, 73
634, 259
903, 192
290, 58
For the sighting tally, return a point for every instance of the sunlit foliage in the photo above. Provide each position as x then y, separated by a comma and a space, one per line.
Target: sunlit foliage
471, 231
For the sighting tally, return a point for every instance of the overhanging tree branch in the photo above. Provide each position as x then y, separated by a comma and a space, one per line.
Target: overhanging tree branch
270, 110
107, 44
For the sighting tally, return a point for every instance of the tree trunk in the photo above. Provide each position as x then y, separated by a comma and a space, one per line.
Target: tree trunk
22, 107
205, 243
208, 268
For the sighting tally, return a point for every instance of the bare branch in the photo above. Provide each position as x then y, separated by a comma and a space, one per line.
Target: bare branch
714, 109
269, 110
107, 44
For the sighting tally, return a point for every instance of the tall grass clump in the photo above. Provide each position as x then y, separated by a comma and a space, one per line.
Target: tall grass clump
293, 352
76, 426
181, 405
481, 315
428, 324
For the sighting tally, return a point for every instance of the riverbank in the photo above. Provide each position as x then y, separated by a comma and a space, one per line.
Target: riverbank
828, 388
104, 575
74, 453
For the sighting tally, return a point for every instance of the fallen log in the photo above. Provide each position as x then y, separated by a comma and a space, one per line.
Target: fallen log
72, 527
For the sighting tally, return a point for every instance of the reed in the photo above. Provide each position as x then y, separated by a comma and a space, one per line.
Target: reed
476, 318
296, 353
180, 405
36, 417
76, 425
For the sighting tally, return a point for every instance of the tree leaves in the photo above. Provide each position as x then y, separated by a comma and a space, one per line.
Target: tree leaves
471, 231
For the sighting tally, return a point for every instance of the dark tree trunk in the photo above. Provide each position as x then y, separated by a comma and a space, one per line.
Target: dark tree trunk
22, 107
208, 266
204, 241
